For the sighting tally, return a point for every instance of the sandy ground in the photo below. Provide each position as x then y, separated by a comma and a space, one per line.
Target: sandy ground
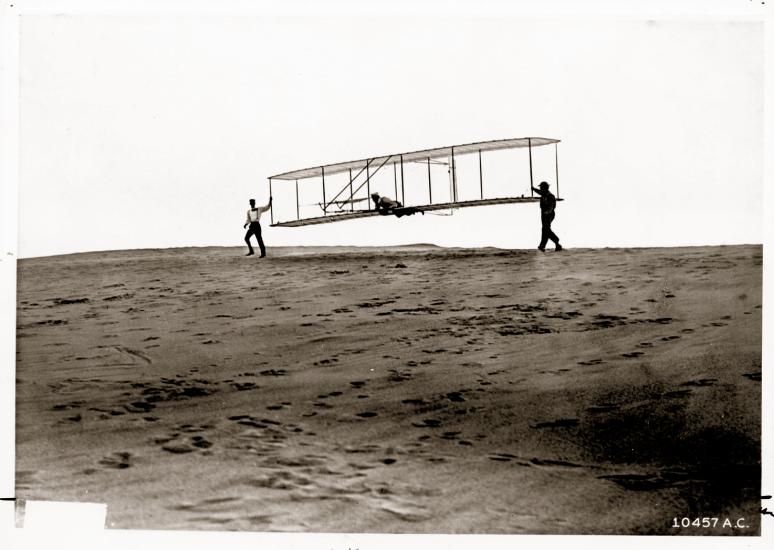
413, 390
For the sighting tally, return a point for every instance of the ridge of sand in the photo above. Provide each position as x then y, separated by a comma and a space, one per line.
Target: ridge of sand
419, 391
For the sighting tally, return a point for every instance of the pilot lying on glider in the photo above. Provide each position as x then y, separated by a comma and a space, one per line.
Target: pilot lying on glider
386, 206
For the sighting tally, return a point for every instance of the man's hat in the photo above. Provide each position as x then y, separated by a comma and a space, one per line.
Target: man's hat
374, 194
543, 184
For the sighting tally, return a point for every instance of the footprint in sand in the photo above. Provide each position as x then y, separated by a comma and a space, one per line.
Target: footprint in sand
646, 482
591, 362
755, 376
67, 406
177, 443
677, 394
554, 463
700, 382
558, 423
177, 446
502, 457
603, 407
209, 505
406, 513
247, 420
132, 355
427, 423
139, 407
414, 402
119, 460
455, 397
273, 372
399, 376
661, 320
632, 355
200, 442
244, 386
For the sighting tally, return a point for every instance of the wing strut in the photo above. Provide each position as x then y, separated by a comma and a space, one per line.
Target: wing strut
351, 196
271, 210
402, 187
480, 175
395, 177
454, 176
429, 181
556, 160
531, 183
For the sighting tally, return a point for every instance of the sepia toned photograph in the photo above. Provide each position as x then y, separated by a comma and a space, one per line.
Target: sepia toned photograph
408, 269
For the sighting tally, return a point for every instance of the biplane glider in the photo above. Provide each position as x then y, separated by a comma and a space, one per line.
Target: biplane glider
357, 181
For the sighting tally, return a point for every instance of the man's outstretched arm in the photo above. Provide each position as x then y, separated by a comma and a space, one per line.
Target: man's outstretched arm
265, 208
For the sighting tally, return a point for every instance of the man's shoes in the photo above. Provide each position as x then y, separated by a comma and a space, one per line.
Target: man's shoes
251, 253
559, 247
262, 256
541, 249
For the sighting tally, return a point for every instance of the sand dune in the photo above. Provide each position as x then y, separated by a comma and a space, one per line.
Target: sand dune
419, 390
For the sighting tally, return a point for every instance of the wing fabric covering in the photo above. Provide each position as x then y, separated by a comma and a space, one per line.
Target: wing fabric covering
424, 208
412, 156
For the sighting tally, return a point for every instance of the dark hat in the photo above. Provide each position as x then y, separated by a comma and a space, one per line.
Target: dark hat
543, 184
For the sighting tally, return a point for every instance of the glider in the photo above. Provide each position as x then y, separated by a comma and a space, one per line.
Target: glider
360, 176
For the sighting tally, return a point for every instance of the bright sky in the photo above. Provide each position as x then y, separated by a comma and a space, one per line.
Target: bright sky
154, 130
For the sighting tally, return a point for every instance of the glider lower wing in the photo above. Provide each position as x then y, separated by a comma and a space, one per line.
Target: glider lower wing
343, 216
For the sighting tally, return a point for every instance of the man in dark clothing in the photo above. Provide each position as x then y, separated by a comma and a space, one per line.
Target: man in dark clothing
384, 205
547, 206
253, 217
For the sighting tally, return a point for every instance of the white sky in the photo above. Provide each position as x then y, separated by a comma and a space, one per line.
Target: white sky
154, 130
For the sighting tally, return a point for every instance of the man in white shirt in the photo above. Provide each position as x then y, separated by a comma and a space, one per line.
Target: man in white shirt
253, 215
